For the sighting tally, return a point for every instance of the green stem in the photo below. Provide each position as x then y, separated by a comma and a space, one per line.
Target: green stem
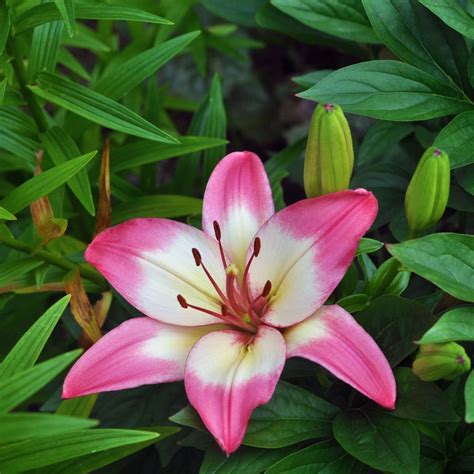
54, 259
20, 73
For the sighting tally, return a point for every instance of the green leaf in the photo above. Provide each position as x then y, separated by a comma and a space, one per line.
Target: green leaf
292, 415
406, 28
20, 426
421, 401
388, 279
368, 246
311, 78
388, 90
18, 144
446, 260
143, 152
12, 118
456, 140
244, 460
354, 303
70, 62
394, 323
5, 215
44, 49
453, 14
44, 183
380, 138
27, 350
3, 88
454, 325
67, 10
379, 440
242, 14
96, 107
9, 271
469, 398
48, 450
48, 12
86, 38
326, 457
4, 27
19, 387
160, 205
341, 18
120, 80
78, 407
62, 148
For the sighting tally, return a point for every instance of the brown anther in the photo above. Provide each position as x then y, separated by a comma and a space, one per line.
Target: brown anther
267, 288
257, 244
183, 303
224, 310
197, 257
217, 230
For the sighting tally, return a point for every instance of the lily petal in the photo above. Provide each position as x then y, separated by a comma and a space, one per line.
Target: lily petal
228, 374
138, 352
306, 250
150, 262
238, 196
332, 338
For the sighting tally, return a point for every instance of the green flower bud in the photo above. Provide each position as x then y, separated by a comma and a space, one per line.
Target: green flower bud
329, 156
428, 191
441, 361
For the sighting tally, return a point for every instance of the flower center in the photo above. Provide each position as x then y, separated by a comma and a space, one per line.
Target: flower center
238, 307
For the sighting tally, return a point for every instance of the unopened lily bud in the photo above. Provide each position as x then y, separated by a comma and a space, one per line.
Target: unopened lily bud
441, 361
428, 191
329, 156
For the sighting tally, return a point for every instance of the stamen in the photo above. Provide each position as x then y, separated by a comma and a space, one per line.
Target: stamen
183, 303
257, 244
217, 230
218, 234
266, 289
197, 257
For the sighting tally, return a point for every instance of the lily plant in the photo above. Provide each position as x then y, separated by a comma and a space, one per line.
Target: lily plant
227, 305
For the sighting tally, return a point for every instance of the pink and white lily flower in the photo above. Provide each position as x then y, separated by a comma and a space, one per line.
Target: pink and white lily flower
228, 305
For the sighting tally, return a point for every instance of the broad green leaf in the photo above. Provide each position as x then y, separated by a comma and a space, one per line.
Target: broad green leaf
39, 452
469, 398
380, 138
354, 303
394, 323
44, 50
341, 18
388, 279
27, 350
388, 90
120, 80
160, 205
96, 107
243, 14
422, 401
78, 407
368, 246
48, 12
326, 457
92, 462
456, 140
5, 215
67, 10
446, 260
11, 270
142, 152
453, 14
20, 426
406, 27
44, 183
246, 459
311, 78
455, 325
379, 440
4, 27
292, 415
19, 387
62, 148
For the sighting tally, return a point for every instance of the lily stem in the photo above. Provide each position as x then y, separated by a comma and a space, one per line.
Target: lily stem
54, 259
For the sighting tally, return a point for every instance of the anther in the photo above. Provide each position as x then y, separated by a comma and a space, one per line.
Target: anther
217, 230
257, 244
224, 310
197, 257
267, 288
183, 303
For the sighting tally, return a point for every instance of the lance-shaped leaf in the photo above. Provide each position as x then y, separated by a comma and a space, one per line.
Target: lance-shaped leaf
4, 27
62, 148
96, 107
44, 183
67, 10
5, 215
48, 12
11, 270
27, 350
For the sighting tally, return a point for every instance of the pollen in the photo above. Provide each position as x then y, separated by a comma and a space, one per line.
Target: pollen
232, 269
